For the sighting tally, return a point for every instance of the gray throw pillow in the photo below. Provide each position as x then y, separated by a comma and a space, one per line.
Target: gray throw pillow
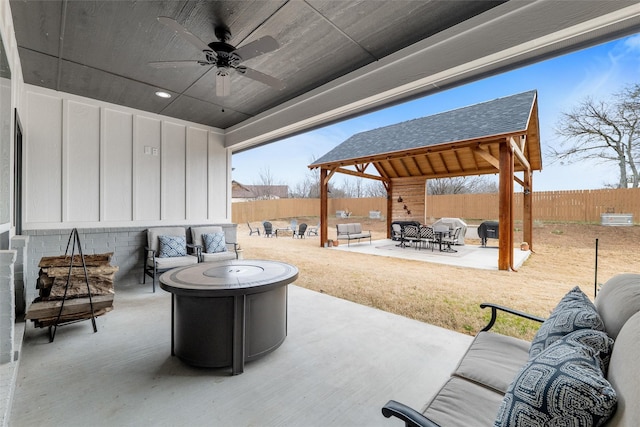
574, 311
562, 386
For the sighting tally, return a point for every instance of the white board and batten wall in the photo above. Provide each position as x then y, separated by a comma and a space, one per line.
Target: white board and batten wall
93, 164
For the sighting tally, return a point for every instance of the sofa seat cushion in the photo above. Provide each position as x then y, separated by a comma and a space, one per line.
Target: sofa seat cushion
462, 403
564, 385
353, 236
493, 360
574, 311
218, 256
173, 262
172, 246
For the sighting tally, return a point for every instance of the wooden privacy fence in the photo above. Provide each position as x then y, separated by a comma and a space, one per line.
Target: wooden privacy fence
575, 205
261, 210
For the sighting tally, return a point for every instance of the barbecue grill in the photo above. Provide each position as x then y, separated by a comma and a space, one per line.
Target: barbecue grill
487, 230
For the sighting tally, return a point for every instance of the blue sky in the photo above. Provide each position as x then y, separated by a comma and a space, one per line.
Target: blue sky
561, 84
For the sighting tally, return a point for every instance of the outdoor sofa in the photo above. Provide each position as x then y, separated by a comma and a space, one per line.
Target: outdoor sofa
580, 369
351, 232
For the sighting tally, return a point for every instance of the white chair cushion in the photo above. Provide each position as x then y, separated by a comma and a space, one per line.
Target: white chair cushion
178, 261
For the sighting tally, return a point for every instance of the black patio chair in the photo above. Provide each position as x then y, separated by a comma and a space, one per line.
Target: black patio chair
452, 240
302, 228
268, 229
411, 234
427, 237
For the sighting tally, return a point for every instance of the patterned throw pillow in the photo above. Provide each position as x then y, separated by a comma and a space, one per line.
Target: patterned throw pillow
562, 386
171, 246
574, 311
214, 243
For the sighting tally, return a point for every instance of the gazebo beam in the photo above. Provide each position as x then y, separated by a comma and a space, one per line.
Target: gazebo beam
358, 174
487, 156
519, 154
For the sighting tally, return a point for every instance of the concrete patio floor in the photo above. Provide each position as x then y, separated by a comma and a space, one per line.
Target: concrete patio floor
339, 364
472, 256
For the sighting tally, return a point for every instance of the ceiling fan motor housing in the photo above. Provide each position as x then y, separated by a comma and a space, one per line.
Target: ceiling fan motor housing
225, 57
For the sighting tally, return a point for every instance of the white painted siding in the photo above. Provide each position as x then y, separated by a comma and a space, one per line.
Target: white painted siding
219, 178
43, 157
117, 166
197, 153
92, 164
147, 168
173, 174
81, 162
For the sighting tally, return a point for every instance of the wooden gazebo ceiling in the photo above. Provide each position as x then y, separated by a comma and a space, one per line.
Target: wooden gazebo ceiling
475, 156
463, 158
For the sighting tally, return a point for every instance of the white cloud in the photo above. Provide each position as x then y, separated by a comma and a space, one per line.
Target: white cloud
633, 42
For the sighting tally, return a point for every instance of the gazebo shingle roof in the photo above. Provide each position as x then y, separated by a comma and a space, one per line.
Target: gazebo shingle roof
507, 115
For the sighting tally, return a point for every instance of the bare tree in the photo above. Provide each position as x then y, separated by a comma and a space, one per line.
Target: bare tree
265, 186
375, 188
607, 131
461, 185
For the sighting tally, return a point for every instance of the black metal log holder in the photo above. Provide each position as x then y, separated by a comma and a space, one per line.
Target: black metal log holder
76, 242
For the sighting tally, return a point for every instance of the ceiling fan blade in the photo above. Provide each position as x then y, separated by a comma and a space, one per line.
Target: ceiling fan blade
173, 64
261, 77
223, 84
257, 47
183, 32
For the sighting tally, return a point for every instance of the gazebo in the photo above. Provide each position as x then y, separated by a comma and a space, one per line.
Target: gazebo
499, 136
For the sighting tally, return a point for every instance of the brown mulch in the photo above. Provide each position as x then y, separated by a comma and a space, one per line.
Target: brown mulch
564, 256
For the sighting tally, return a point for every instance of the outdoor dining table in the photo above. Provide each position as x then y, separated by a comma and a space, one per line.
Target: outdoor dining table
440, 232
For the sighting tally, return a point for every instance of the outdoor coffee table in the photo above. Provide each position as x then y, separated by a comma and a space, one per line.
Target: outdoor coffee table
227, 313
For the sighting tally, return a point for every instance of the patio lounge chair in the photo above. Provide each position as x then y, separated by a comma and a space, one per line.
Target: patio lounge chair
253, 230
166, 249
313, 230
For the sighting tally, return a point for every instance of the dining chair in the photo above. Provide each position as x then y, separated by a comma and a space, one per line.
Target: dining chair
427, 237
411, 234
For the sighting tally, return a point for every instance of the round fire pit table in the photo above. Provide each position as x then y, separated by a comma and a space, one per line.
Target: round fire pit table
227, 313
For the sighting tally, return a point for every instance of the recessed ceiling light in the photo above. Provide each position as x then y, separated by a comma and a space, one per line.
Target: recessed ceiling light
162, 94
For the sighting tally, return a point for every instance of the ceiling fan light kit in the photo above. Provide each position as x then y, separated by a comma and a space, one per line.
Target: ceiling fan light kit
223, 56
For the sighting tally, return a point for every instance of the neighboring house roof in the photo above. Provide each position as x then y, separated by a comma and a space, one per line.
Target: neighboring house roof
487, 121
240, 191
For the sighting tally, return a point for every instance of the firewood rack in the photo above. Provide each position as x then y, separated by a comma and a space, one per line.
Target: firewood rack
75, 237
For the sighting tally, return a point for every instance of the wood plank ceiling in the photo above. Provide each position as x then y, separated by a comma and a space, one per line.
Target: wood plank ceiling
101, 49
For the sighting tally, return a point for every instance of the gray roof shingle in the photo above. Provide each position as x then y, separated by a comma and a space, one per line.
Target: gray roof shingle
509, 114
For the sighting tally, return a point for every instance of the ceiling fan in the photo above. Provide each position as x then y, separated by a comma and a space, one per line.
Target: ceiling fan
223, 56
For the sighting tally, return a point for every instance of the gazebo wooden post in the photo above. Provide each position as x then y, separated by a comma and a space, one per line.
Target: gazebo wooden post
527, 206
505, 218
324, 199
389, 187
